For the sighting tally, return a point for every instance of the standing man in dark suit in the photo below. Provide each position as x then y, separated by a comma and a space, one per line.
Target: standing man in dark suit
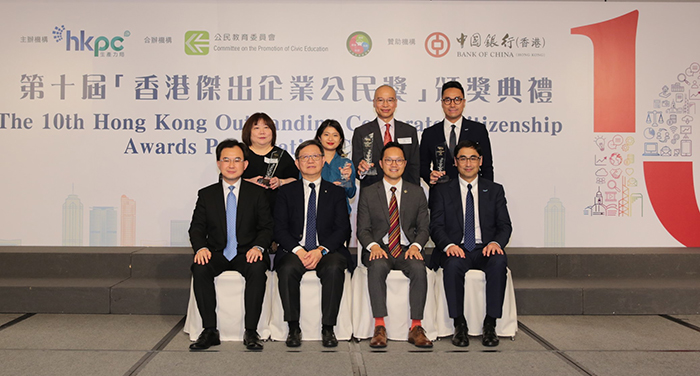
393, 227
231, 229
385, 129
311, 225
453, 129
470, 226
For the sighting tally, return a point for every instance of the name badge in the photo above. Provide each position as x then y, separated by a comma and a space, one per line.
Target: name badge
271, 160
405, 141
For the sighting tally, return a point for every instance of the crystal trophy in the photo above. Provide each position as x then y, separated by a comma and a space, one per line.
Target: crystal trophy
345, 178
440, 160
273, 161
367, 145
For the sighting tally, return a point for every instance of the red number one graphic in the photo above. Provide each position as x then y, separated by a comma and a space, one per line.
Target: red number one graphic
670, 185
614, 48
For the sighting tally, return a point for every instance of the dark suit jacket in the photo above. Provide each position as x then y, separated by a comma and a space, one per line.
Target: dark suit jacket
373, 214
435, 135
253, 220
332, 219
411, 151
447, 216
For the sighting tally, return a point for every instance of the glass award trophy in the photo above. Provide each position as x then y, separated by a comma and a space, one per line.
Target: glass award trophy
345, 178
440, 161
367, 144
273, 161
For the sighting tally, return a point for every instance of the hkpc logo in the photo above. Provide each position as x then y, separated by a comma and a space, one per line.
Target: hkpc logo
79, 41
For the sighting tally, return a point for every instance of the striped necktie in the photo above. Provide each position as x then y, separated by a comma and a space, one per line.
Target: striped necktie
394, 226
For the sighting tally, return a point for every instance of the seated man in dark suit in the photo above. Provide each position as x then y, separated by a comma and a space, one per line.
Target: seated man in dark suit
311, 225
231, 229
393, 226
470, 226
451, 130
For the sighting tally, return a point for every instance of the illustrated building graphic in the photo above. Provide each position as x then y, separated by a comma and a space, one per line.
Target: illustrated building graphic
72, 234
554, 223
128, 221
179, 236
103, 226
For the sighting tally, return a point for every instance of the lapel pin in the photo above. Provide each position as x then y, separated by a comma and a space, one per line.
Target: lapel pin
405, 191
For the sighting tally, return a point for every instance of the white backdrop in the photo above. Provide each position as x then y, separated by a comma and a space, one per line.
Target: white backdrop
310, 45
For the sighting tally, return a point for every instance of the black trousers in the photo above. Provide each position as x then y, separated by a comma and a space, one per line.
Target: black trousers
330, 270
205, 293
493, 266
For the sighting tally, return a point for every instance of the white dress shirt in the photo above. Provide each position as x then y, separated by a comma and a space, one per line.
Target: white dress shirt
307, 194
387, 191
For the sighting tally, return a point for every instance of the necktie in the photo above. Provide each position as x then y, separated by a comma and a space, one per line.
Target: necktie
394, 226
311, 220
469, 236
231, 241
387, 135
453, 140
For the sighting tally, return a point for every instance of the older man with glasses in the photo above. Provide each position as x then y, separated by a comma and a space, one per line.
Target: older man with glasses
446, 134
311, 225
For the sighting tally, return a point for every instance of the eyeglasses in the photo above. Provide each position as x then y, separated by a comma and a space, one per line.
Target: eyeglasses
312, 157
397, 162
228, 160
447, 100
464, 158
387, 100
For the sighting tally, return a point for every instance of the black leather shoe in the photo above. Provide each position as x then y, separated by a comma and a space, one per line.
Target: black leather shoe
461, 338
208, 338
294, 338
489, 339
328, 338
252, 341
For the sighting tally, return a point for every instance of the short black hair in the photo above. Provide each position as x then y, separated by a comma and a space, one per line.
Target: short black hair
392, 144
451, 85
467, 144
306, 143
252, 121
231, 143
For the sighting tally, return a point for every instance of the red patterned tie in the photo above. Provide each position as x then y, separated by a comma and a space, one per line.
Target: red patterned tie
387, 135
394, 227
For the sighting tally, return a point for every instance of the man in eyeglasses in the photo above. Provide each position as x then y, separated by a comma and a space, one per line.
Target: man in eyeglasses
470, 226
385, 129
393, 227
311, 225
447, 133
231, 229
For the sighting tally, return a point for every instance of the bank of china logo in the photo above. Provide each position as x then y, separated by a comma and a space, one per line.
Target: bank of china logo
197, 42
437, 44
359, 44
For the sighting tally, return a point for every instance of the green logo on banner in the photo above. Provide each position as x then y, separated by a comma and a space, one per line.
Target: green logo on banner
197, 42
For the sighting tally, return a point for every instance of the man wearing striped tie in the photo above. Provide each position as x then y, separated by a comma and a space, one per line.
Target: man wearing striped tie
231, 229
470, 226
393, 227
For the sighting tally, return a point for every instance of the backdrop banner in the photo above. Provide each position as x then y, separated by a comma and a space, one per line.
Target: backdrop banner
110, 112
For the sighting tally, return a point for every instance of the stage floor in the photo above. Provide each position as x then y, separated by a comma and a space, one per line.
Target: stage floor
56, 344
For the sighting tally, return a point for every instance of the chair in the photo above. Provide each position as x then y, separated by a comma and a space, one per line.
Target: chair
398, 319
475, 306
230, 308
310, 315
